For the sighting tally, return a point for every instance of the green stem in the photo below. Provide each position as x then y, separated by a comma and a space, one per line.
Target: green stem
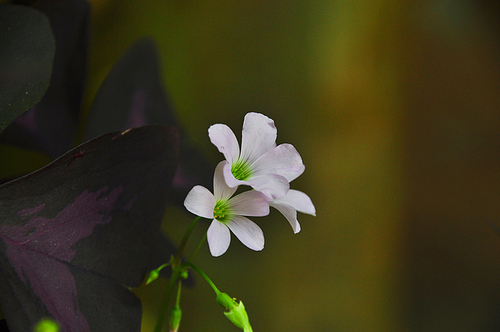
198, 247
197, 269
178, 299
175, 315
183, 242
166, 300
175, 276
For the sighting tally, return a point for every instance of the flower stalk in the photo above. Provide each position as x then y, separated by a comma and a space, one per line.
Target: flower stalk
176, 312
178, 273
234, 311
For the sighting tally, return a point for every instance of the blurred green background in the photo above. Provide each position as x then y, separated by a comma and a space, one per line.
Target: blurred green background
394, 107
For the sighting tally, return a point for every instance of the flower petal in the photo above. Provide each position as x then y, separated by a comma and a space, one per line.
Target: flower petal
218, 238
231, 181
290, 214
221, 189
224, 139
283, 160
299, 201
258, 136
249, 203
293, 173
273, 186
247, 232
201, 202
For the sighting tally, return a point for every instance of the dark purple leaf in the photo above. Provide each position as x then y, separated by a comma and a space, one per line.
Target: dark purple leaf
76, 233
132, 95
3, 326
50, 126
26, 54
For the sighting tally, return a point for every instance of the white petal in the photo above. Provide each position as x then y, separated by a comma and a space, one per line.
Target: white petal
299, 201
283, 160
247, 232
249, 203
290, 214
221, 190
201, 202
218, 238
258, 136
224, 139
271, 185
293, 173
231, 181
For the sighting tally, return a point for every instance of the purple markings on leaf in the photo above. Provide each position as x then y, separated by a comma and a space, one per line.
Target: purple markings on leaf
27, 212
41, 250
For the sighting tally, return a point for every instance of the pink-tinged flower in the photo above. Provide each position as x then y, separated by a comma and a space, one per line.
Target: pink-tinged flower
228, 213
260, 163
294, 201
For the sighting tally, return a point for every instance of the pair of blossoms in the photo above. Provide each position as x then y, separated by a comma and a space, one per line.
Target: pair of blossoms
260, 164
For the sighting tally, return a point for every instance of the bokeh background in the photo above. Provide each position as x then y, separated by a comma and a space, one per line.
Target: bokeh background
394, 107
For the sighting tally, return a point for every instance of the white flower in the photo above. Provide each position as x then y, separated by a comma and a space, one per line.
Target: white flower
289, 205
260, 163
227, 213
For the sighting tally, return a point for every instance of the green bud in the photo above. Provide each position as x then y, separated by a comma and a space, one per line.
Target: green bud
184, 274
175, 318
46, 325
235, 311
225, 301
153, 275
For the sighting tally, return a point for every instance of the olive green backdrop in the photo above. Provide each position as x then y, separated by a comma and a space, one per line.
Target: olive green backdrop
394, 107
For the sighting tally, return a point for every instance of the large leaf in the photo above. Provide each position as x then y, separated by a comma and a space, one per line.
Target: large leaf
133, 95
26, 53
76, 233
50, 126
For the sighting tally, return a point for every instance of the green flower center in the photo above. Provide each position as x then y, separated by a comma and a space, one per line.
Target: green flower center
241, 170
222, 211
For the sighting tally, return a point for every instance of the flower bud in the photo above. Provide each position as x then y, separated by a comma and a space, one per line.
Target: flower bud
175, 318
226, 301
235, 311
184, 274
153, 275
46, 325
